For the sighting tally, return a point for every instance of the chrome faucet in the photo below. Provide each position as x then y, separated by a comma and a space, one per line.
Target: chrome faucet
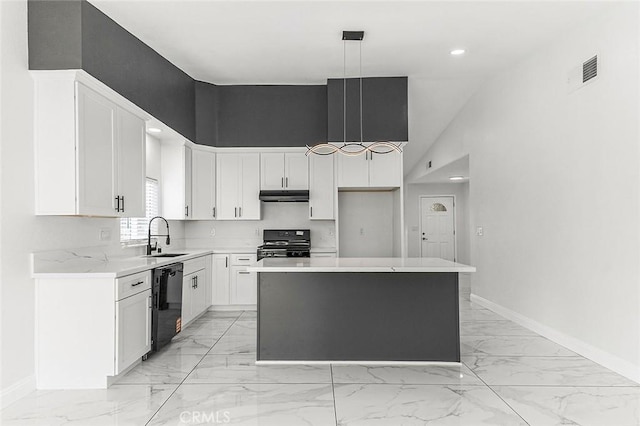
151, 249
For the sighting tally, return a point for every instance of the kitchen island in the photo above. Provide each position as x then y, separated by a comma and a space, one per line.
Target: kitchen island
358, 310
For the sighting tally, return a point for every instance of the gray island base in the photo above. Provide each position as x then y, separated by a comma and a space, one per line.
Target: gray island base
358, 310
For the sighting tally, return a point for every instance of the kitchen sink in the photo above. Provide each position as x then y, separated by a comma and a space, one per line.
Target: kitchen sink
168, 255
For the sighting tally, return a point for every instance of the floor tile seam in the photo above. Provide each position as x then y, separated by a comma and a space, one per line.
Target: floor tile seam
333, 393
187, 375
496, 394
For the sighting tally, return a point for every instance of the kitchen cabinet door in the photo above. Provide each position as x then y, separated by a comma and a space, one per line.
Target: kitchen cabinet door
96, 154
321, 187
296, 171
353, 171
227, 185
249, 206
133, 321
131, 163
187, 298
203, 185
176, 181
244, 286
385, 170
272, 171
220, 285
199, 301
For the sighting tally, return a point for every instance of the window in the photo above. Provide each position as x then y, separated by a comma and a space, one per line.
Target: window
133, 230
437, 207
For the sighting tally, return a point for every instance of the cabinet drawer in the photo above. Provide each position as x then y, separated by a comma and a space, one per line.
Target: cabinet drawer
132, 284
243, 259
193, 265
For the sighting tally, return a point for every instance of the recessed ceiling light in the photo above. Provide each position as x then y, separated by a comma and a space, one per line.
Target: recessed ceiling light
457, 52
154, 130
456, 178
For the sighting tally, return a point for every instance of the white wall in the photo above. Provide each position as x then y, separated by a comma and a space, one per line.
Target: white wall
231, 234
554, 182
366, 223
412, 215
21, 232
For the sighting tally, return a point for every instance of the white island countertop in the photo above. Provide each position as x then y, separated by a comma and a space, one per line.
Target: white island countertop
357, 264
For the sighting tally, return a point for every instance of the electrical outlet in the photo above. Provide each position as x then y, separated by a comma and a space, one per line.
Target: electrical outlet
361, 231
479, 231
212, 232
105, 234
257, 232
331, 232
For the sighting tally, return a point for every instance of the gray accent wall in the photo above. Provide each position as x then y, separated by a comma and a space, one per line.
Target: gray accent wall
207, 107
76, 35
272, 115
55, 35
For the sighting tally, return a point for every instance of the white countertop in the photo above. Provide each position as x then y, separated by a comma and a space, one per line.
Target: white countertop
351, 264
68, 264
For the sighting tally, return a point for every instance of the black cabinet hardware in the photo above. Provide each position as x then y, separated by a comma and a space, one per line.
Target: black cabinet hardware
138, 283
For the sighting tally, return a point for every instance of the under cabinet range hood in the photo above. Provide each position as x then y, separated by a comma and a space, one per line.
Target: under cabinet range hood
285, 196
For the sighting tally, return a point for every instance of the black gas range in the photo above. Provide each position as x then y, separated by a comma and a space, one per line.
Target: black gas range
285, 243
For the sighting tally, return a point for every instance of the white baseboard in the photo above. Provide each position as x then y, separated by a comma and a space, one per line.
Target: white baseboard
376, 363
17, 391
610, 361
232, 307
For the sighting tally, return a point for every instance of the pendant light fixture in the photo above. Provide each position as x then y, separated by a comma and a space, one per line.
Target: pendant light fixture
353, 148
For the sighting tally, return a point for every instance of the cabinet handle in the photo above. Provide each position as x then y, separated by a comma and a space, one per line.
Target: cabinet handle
226, 262
240, 211
311, 212
117, 203
244, 259
122, 198
286, 182
282, 182
193, 282
186, 211
244, 272
214, 212
138, 283
235, 212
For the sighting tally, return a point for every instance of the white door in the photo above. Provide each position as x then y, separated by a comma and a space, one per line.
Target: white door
296, 171
131, 163
271, 171
203, 185
437, 227
353, 171
385, 170
249, 205
321, 187
244, 290
96, 157
133, 319
220, 279
227, 177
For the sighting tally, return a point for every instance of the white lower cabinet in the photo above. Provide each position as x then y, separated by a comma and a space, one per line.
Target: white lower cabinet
233, 284
195, 280
324, 254
243, 290
89, 329
133, 318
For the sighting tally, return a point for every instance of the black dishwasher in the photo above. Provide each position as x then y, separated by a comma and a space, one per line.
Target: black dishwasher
166, 318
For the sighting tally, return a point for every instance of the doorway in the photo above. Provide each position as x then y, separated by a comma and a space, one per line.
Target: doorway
437, 227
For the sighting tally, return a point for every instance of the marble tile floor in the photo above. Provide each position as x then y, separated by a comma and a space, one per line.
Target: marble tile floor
207, 375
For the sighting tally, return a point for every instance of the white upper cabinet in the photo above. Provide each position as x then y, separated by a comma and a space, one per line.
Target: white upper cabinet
203, 185
284, 171
176, 170
238, 183
385, 170
370, 170
322, 187
90, 152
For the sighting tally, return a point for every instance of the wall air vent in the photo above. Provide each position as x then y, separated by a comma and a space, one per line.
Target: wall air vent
590, 69
581, 76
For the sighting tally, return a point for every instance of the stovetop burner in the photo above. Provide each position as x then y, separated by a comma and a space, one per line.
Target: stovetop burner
285, 243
